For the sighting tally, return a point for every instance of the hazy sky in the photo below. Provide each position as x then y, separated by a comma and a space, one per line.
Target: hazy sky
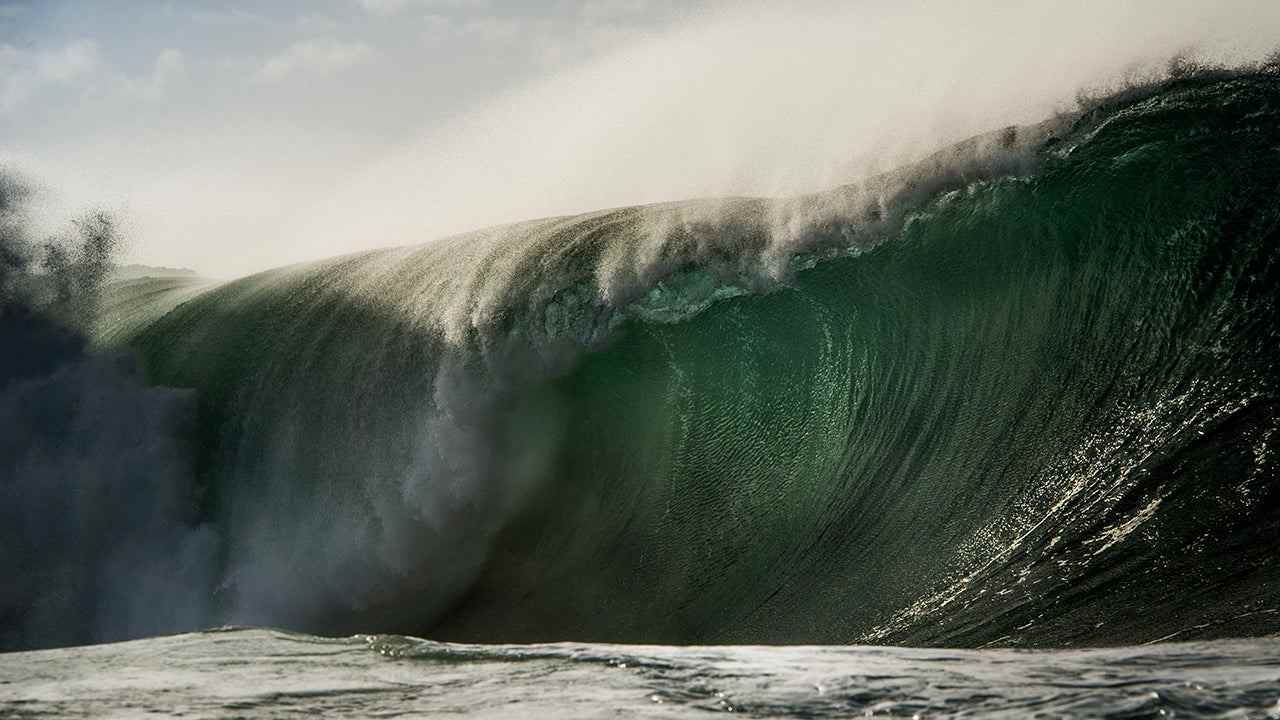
234, 136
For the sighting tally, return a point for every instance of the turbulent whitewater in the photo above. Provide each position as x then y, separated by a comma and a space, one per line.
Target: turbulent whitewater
259, 673
1023, 393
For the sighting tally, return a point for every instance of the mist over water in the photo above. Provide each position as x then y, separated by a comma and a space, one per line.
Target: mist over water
765, 99
99, 535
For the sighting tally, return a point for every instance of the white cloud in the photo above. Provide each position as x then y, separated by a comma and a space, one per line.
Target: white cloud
615, 8
385, 7
75, 59
23, 73
319, 57
229, 17
168, 68
495, 29
315, 24
170, 65
437, 26
395, 7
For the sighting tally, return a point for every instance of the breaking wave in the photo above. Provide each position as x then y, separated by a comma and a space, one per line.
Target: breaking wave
1022, 393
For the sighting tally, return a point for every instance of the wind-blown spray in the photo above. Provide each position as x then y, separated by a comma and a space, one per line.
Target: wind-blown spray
99, 537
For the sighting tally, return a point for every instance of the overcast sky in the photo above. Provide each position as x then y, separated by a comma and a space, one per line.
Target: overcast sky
234, 136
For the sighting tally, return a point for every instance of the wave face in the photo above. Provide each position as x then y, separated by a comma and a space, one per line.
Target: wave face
1024, 394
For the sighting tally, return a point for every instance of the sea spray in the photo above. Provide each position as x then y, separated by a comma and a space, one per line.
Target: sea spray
100, 536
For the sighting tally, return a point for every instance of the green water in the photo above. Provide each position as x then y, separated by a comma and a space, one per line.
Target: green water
1033, 407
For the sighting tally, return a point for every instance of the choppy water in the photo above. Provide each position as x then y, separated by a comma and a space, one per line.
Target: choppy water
261, 673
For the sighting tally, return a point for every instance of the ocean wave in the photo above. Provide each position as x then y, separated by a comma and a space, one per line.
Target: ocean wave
1021, 393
